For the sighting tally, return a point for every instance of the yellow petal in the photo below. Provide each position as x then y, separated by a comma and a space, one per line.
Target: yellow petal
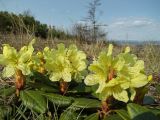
55, 77
110, 48
150, 78
9, 53
66, 76
133, 93
139, 81
127, 49
8, 71
121, 96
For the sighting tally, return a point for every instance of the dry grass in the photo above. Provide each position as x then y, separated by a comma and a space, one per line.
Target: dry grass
149, 53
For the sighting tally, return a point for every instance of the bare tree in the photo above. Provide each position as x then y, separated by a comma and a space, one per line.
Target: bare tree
90, 29
92, 20
81, 31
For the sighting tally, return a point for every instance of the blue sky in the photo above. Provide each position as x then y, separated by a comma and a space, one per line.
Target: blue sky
137, 19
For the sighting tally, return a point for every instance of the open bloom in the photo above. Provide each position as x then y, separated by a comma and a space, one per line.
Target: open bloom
17, 63
64, 63
77, 61
106, 73
133, 71
115, 75
14, 60
38, 62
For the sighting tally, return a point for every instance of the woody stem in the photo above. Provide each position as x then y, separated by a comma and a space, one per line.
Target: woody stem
63, 87
105, 107
19, 81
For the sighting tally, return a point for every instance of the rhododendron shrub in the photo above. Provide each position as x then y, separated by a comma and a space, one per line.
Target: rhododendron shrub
61, 77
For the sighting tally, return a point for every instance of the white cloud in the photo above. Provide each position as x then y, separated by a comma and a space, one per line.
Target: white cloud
134, 28
132, 22
141, 23
120, 23
80, 22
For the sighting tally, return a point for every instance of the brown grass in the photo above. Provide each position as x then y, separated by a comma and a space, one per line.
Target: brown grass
149, 53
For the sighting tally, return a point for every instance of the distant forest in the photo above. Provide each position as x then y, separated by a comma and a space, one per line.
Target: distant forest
26, 23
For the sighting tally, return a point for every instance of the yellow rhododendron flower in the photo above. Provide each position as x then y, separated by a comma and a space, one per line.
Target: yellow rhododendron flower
114, 89
64, 63
14, 60
105, 72
115, 75
77, 60
17, 63
134, 73
38, 62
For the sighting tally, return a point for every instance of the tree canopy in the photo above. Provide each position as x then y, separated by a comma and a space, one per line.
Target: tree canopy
26, 23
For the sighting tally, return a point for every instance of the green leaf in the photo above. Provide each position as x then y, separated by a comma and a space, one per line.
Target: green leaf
158, 89
148, 100
5, 111
86, 103
43, 87
43, 79
113, 117
60, 100
69, 115
137, 112
123, 114
7, 91
155, 111
94, 116
81, 88
34, 100
134, 110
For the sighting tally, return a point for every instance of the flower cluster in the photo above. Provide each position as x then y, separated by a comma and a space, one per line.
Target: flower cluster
14, 60
17, 63
117, 76
64, 63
